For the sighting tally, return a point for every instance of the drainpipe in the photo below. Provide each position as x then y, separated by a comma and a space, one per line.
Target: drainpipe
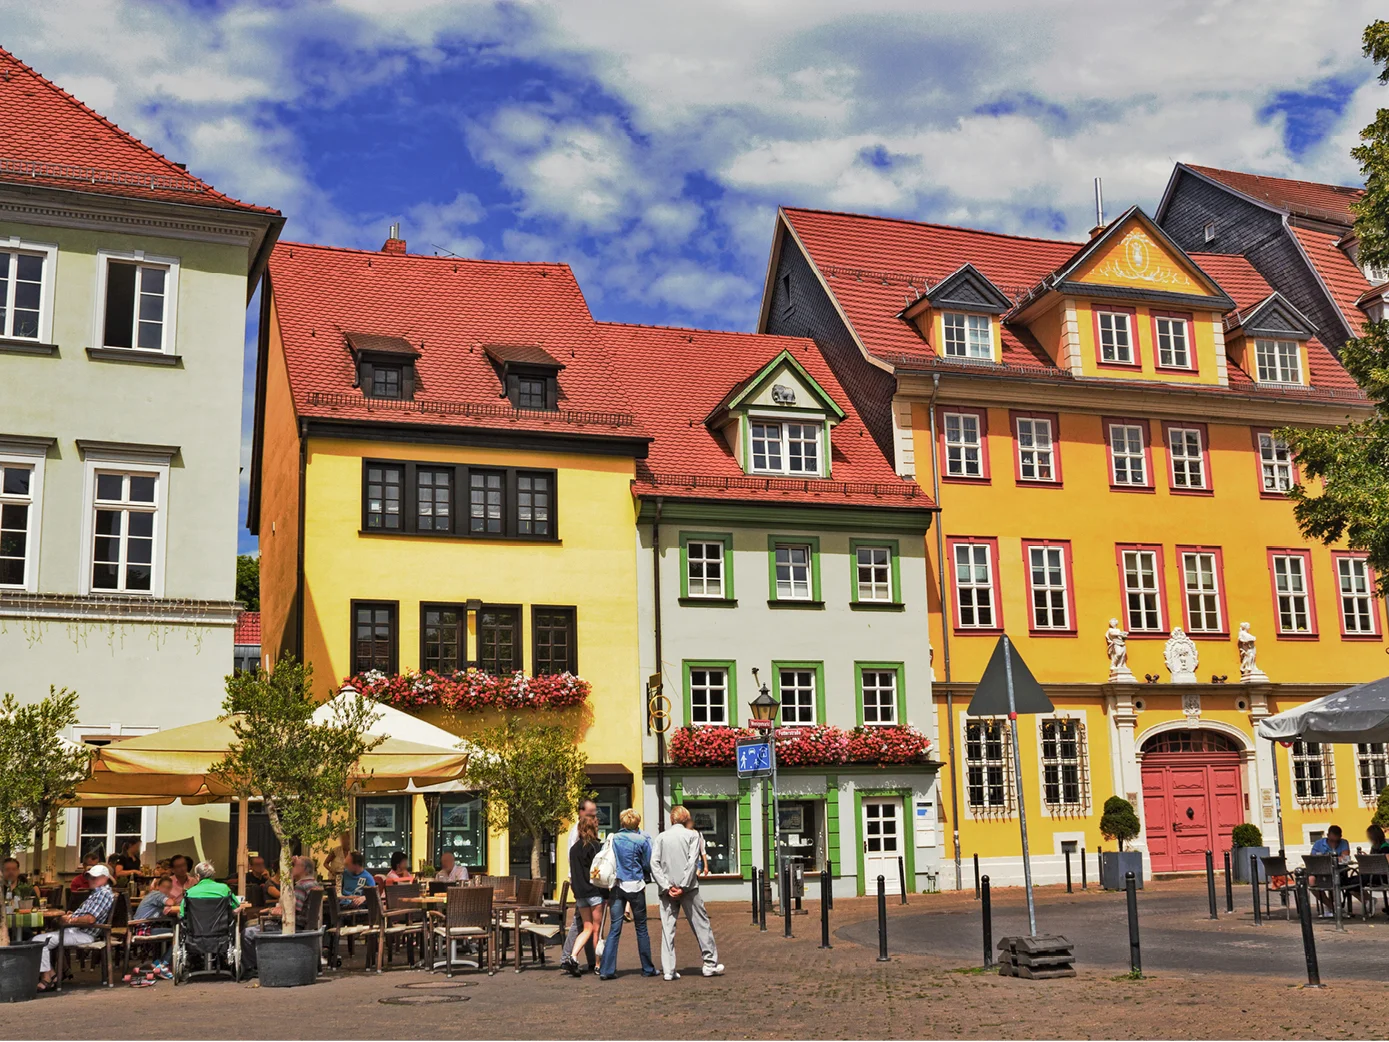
660, 671
299, 550
945, 636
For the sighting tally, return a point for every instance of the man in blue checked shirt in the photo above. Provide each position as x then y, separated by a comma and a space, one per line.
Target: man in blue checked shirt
95, 910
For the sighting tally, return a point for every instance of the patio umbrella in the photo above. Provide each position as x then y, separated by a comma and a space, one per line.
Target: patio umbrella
1356, 714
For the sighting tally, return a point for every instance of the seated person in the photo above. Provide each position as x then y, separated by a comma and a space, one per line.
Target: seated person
1332, 844
94, 911
126, 863
450, 871
355, 878
257, 873
400, 869
90, 860
207, 886
302, 873
179, 871
1378, 844
152, 905
164, 867
9, 878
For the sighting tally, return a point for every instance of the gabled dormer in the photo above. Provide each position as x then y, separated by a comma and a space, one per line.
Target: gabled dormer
777, 422
385, 365
529, 375
959, 315
1269, 341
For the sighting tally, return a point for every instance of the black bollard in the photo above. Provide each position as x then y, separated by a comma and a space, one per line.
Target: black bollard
764, 898
882, 920
825, 909
1229, 886
755, 886
1135, 958
976, 877
1210, 882
829, 870
1099, 866
902, 877
1254, 889
1084, 885
1309, 941
1068, 871
987, 909
786, 898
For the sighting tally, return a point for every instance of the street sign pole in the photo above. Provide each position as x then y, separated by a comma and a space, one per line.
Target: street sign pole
1022, 802
776, 818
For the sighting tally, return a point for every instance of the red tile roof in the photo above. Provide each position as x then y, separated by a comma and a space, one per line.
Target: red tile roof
1345, 281
247, 628
677, 377
50, 138
1300, 198
451, 310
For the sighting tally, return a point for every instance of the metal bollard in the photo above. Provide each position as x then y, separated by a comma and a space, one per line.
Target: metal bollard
1210, 882
987, 909
1068, 871
1135, 956
882, 920
1099, 866
902, 877
786, 899
1336, 894
1229, 886
825, 909
756, 884
829, 869
764, 898
1084, 885
1254, 889
976, 877
1309, 941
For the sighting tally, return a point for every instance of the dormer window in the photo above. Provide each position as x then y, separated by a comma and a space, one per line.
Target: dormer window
530, 393
1278, 361
385, 365
1116, 337
529, 375
786, 448
968, 336
385, 381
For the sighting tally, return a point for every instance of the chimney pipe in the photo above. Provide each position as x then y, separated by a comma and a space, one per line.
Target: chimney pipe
1099, 203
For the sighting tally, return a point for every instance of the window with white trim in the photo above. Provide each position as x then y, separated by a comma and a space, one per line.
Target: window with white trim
704, 569
134, 311
1063, 765
968, 336
1201, 584
797, 687
1116, 337
1142, 598
1275, 462
1357, 606
974, 585
1046, 573
22, 293
1188, 459
1173, 350
1290, 593
1314, 773
1128, 461
123, 532
1278, 361
1035, 449
17, 517
793, 572
708, 696
964, 454
986, 766
873, 567
786, 448
107, 830
879, 688
1372, 770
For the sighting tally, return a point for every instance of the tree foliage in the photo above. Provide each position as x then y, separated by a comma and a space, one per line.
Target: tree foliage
1119, 822
1246, 835
301, 768
248, 581
1351, 463
1381, 817
534, 776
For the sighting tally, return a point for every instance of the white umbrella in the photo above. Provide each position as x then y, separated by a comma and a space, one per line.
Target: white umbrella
1356, 714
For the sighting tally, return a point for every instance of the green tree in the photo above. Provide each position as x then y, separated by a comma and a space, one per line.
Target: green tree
1381, 817
1119, 822
1352, 462
248, 581
301, 768
534, 776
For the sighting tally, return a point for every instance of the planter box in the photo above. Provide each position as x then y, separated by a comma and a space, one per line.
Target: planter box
1246, 862
288, 960
1115, 865
19, 972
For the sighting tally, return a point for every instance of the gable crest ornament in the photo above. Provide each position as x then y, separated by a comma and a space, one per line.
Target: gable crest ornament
1181, 657
1138, 259
783, 395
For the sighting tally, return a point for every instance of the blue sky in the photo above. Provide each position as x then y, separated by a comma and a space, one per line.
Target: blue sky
648, 144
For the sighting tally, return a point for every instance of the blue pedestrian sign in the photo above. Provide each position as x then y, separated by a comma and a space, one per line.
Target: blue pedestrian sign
755, 758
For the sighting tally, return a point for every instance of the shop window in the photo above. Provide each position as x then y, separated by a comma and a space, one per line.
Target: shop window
383, 827
612, 800
714, 821
800, 823
463, 831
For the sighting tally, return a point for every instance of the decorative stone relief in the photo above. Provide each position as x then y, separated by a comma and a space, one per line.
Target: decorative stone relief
1191, 706
1181, 657
1116, 644
1249, 671
783, 395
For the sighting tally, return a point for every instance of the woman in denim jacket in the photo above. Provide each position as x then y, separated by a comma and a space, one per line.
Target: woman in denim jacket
632, 850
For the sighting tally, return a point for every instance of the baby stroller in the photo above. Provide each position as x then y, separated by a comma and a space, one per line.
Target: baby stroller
207, 935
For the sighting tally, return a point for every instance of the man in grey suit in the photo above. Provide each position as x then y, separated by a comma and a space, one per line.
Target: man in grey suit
675, 864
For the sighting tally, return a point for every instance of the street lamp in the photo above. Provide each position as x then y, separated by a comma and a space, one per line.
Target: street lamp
764, 710
764, 707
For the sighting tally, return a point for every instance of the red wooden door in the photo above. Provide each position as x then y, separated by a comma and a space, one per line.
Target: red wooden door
1191, 801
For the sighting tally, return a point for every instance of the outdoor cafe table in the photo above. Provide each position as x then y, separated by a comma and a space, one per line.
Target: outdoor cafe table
499, 910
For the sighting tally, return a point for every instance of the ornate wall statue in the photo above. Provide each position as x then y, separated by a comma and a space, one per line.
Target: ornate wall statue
1249, 671
1116, 644
1180, 655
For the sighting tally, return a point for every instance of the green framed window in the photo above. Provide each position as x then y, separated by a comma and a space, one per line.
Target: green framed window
711, 693
793, 566
706, 566
800, 688
882, 693
875, 573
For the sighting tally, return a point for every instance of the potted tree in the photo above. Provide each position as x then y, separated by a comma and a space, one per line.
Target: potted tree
1246, 846
303, 771
1120, 823
37, 771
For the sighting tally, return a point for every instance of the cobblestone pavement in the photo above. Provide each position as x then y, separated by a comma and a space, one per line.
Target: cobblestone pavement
779, 988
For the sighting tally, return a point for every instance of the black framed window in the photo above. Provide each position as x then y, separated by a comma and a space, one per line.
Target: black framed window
499, 639
434, 499
407, 498
375, 632
533, 504
530, 392
443, 637
486, 502
386, 381
383, 488
555, 637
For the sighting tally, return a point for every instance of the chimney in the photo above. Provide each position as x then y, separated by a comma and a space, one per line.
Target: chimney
394, 243
1099, 209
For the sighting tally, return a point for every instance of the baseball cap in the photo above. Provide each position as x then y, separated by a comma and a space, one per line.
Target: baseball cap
99, 871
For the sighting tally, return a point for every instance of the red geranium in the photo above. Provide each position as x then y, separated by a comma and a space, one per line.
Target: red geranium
472, 690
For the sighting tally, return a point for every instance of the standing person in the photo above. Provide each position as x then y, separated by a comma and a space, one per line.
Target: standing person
127, 862
589, 898
95, 910
587, 809
675, 864
632, 850
450, 871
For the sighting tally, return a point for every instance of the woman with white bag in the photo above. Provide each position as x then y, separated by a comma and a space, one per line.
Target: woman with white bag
589, 897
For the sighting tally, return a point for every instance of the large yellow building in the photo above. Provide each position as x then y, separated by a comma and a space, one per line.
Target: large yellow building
1097, 425
442, 480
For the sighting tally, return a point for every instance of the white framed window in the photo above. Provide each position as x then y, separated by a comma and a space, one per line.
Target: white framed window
1209, 231
1275, 463
1128, 457
964, 450
797, 688
26, 290
1357, 596
709, 696
1063, 765
968, 336
879, 687
704, 569
873, 573
1201, 585
1035, 449
136, 301
1278, 361
786, 448
21, 505
1188, 457
1371, 770
974, 585
987, 770
1290, 593
124, 530
1174, 351
793, 572
1046, 574
1116, 337
1314, 773
1142, 594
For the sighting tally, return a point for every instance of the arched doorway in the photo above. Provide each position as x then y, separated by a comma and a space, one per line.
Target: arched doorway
1193, 795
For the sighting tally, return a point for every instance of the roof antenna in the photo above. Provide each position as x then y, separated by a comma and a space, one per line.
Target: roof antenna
1099, 209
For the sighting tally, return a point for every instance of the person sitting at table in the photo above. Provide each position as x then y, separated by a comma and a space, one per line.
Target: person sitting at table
163, 867
94, 911
301, 871
355, 878
207, 886
400, 869
1334, 845
179, 866
257, 873
449, 870
1378, 844
90, 859
126, 863
153, 903
9, 878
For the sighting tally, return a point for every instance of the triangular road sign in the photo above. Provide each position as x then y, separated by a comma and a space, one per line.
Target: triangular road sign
991, 696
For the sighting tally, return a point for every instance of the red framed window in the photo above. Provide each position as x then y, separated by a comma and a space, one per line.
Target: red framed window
964, 444
1294, 602
1116, 338
1143, 588
1036, 448
1188, 457
1050, 586
1173, 345
1130, 454
974, 578
1357, 601
1203, 591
